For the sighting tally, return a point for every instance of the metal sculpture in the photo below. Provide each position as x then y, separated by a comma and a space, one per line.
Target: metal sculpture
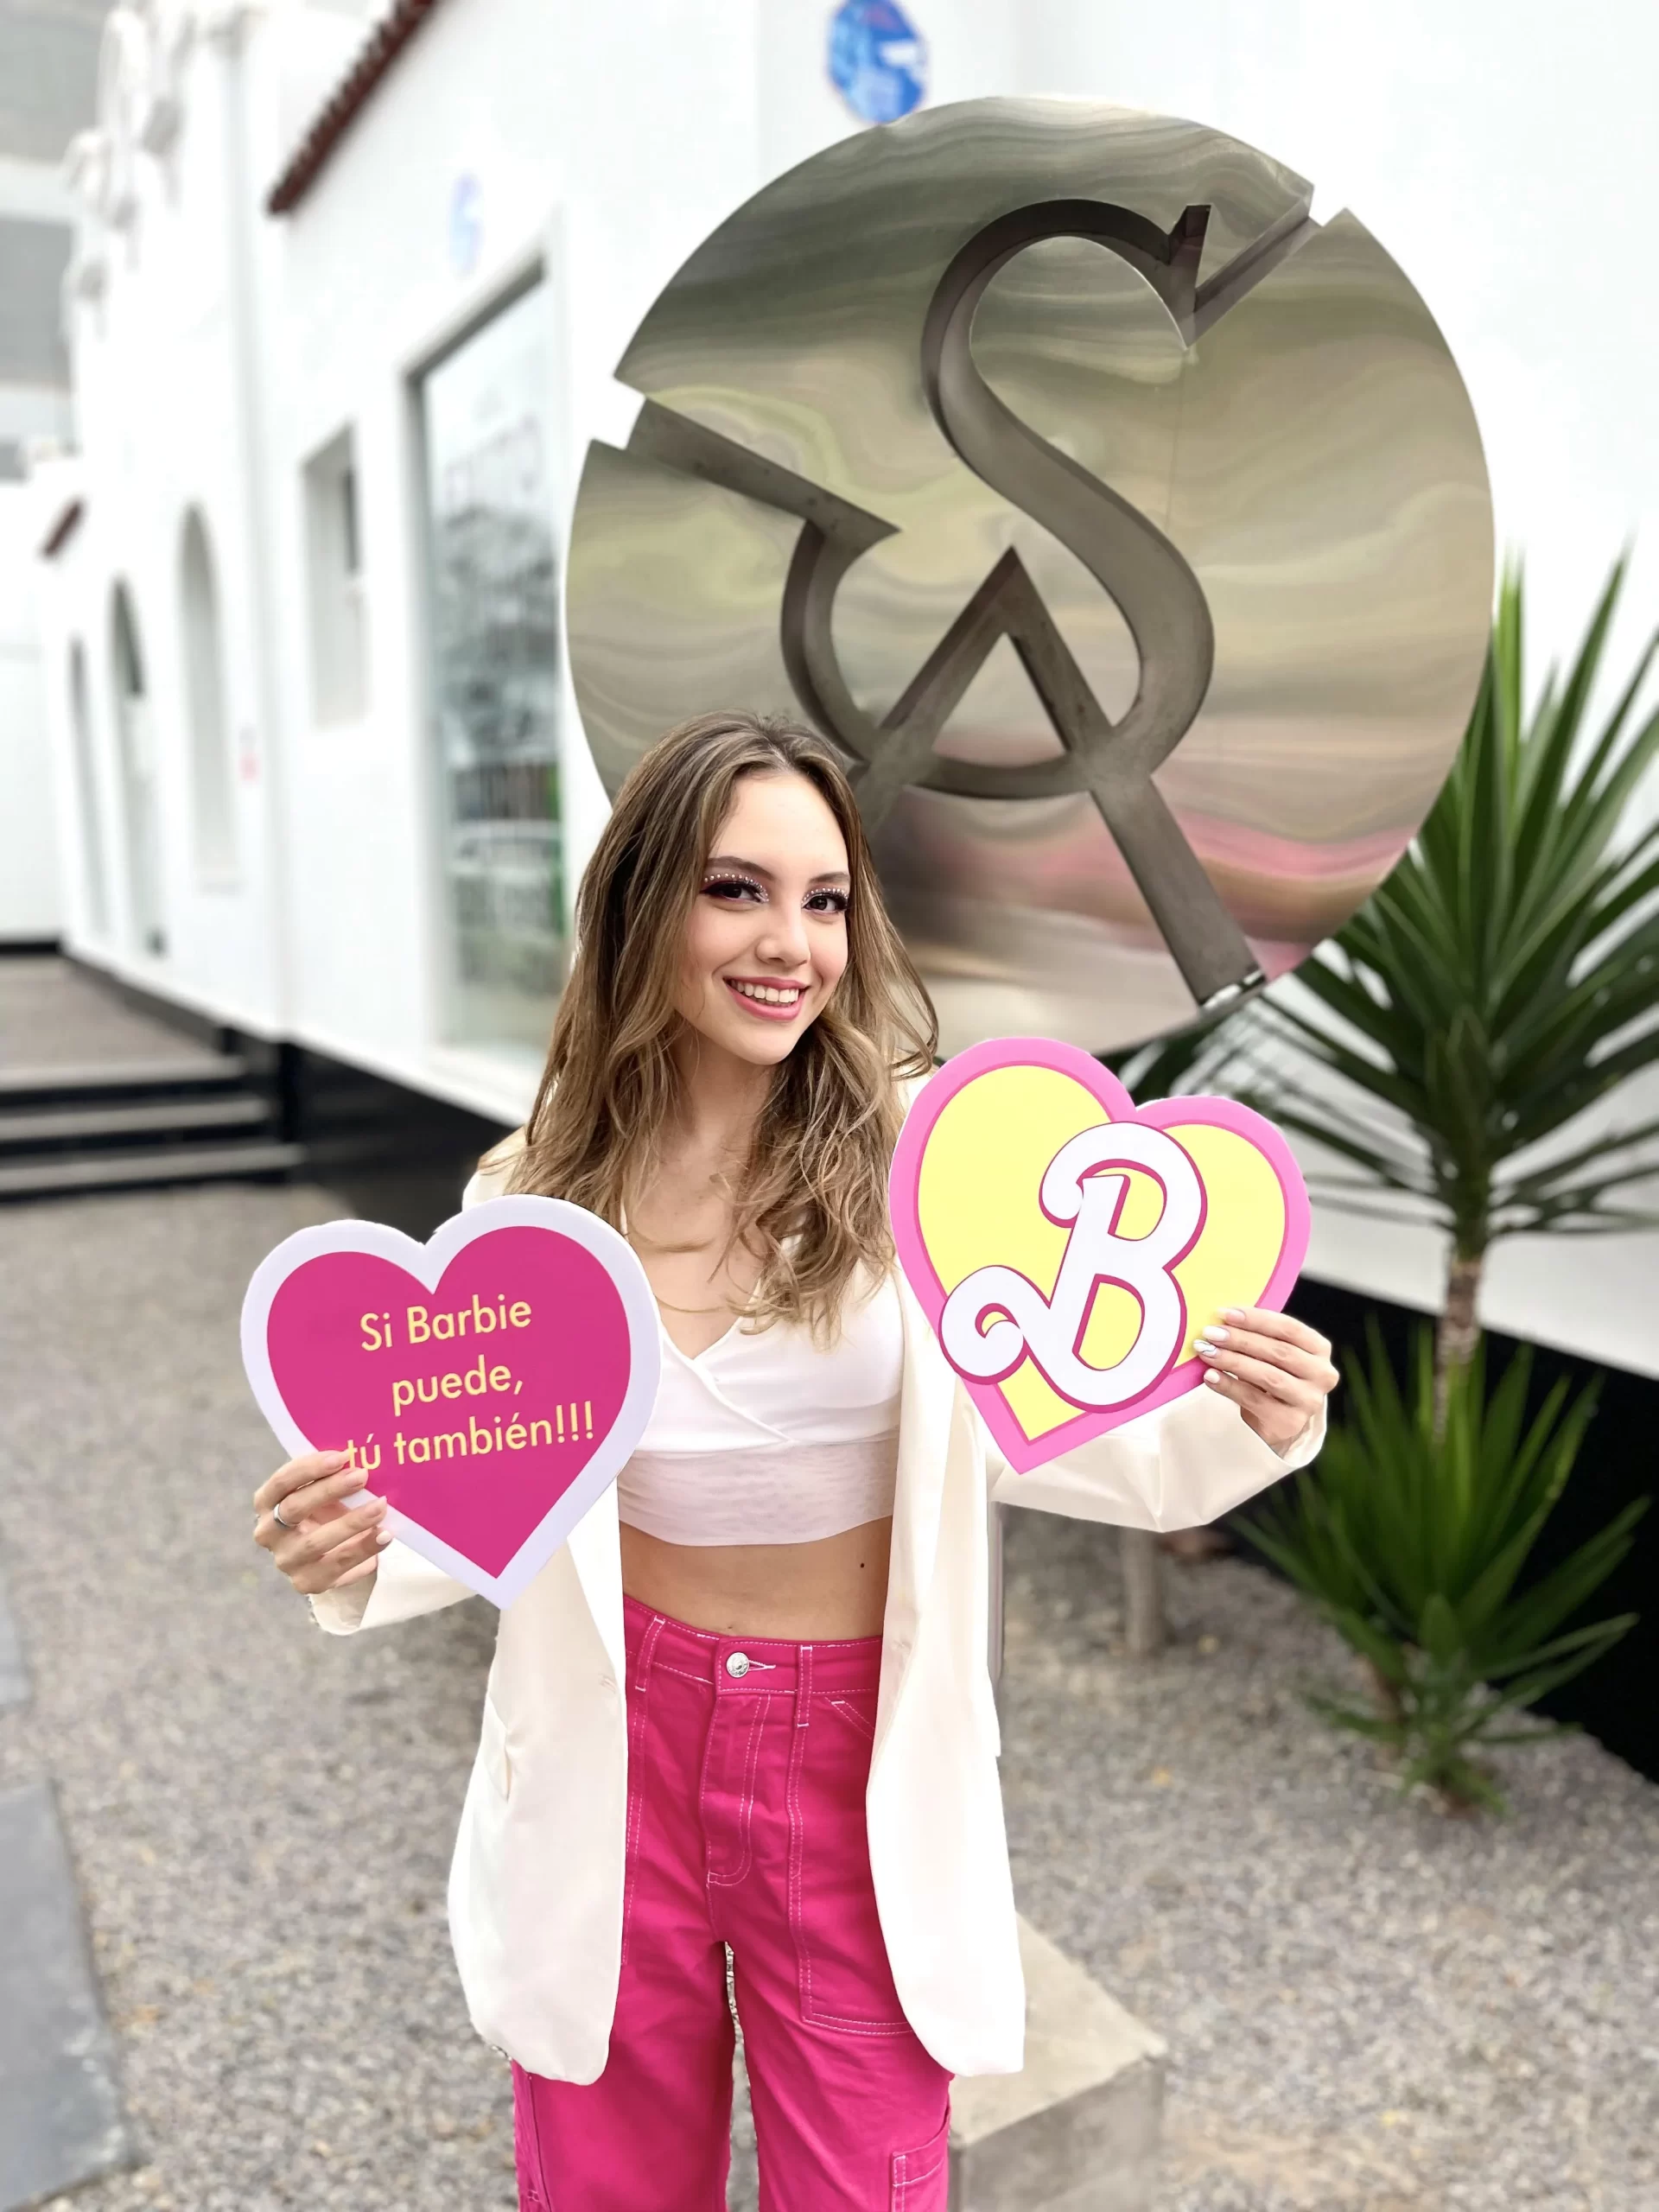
1093, 386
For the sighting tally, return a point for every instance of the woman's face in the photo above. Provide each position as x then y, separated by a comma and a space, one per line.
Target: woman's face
766, 941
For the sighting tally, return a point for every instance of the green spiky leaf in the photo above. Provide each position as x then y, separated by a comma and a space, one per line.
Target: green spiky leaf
1410, 1534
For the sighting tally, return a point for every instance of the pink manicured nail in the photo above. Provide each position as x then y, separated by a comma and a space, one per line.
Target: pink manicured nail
383, 1537
1232, 1312
1216, 1336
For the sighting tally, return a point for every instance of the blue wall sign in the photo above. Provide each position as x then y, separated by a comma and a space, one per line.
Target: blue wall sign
878, 60
465, 225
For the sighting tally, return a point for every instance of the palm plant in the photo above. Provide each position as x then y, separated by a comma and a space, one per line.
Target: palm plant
1409, 1535
1501, 984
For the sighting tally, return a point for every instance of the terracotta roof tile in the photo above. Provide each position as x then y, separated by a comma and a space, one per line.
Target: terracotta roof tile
347, 101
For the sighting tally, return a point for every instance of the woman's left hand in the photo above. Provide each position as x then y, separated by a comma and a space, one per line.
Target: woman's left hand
1277, 1371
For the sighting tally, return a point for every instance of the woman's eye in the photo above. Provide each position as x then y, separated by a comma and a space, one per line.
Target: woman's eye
731, 888
827, 902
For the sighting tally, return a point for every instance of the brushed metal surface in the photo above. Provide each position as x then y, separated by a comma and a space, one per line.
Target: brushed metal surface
1128, 531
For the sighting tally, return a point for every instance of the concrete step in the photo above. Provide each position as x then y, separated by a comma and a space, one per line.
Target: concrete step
187, 1071
66, 1125
68, 1174
1077, 2129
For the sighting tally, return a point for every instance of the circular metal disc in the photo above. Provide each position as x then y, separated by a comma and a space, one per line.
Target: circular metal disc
1128, 530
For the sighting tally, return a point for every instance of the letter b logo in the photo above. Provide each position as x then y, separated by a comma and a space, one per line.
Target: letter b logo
1086, 1185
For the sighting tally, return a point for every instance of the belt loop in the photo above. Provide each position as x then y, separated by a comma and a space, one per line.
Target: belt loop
803, 1683
647, 1645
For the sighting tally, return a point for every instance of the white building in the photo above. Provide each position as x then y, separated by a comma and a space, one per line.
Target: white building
49, 81
267, 614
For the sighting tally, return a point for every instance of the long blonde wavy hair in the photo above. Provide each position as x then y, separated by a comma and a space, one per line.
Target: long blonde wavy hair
810, 1201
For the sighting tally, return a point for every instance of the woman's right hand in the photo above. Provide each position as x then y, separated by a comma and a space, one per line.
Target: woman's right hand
319, 1543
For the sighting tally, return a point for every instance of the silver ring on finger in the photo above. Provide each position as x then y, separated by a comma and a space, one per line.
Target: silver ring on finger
276, 1515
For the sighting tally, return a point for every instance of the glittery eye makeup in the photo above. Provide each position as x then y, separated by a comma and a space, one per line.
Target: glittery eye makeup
726, 881
728, 885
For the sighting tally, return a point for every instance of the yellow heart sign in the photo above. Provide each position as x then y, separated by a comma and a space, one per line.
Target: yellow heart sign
1066, 1245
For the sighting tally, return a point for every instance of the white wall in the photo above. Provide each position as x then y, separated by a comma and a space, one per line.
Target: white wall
30, 902
607, 198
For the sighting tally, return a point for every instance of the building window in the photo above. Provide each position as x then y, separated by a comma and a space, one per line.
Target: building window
135, 734
335, 573
486, 417
212, 790
91, 817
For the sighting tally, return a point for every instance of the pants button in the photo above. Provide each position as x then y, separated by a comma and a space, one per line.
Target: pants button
737, 1665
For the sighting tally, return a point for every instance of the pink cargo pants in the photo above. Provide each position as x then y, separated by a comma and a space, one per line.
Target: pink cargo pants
747, 1761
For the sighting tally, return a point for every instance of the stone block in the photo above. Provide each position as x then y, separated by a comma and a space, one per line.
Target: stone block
1076, 2131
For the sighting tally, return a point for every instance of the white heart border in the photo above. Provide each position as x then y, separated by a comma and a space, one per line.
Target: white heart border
427, 1262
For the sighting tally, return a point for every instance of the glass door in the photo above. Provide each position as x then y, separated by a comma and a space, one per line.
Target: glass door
486, 415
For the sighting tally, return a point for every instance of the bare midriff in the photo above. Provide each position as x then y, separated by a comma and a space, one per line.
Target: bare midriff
817, 1593
833, 1587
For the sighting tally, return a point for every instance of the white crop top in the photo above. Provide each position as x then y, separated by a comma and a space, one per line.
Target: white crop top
764, 1438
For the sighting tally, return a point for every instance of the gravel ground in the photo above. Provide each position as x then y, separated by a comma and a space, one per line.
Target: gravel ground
261, 1815
1368, 2005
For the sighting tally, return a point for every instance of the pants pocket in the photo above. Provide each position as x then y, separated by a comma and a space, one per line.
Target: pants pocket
921, 2179
845, 1982
859, 1714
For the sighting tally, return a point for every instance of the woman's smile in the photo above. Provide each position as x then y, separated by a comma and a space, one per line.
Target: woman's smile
769, 1001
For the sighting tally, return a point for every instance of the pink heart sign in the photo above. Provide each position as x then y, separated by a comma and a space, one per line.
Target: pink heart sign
490, 1384
1067, 1245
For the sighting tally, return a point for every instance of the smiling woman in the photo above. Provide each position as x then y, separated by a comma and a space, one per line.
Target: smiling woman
769, 936
747, 1704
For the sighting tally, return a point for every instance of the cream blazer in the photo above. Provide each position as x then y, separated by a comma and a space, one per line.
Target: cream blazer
535, 1884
